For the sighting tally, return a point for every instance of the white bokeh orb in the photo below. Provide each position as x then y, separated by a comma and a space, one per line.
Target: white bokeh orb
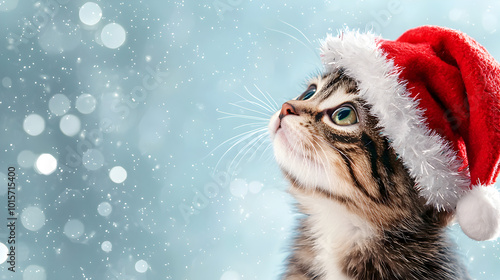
141, 266
6, 81
118, 174
32, 218
230, 275
70, 125
90, 13
59, 104
26, 158
34, 124
46, 164
238, 188
8, 5
92, 159
4, 250
255, 186
113, 35
104, 209
107, 246
85, 103
74, 228
34, 272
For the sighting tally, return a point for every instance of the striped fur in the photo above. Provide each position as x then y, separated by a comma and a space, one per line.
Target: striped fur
364, 219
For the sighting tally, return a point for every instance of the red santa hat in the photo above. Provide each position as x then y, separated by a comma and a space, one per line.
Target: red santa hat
436, 93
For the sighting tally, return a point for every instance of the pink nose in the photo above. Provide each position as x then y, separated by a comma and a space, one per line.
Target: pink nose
287, 109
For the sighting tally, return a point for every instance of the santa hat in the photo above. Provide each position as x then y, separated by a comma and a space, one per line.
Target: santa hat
436, 93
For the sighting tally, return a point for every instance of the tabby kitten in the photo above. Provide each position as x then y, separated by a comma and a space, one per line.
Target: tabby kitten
364, 219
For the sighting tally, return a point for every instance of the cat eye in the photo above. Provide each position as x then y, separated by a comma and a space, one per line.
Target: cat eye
345, 115
310, 91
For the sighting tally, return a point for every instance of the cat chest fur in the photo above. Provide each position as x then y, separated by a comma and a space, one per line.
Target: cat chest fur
335, 244
332, 232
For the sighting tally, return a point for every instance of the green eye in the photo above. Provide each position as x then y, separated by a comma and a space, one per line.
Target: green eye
310, 91
345, 115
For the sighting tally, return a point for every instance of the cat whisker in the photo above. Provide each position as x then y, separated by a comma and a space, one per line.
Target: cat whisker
272, 103
263, 106
247, 148
294, 38
308, 164
327, 162
314, 143
252, 110
260, 124
229, 149
268, 106
269, 145
318, 159
240, 116
241, 137
262, 141
298, 30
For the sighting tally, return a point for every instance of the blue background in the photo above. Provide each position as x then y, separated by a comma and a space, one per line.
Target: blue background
196, 202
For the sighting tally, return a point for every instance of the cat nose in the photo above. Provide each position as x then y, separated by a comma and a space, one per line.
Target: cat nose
287, 109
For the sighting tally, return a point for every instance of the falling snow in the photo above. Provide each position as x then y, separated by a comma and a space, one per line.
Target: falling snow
138, 130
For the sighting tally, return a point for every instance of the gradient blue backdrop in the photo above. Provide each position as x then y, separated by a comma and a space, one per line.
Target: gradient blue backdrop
192, 205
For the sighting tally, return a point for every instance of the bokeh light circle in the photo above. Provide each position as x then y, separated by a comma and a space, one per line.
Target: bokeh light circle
32, 218
93, 159
113, 35
70, 125
46, 164
118, 174
90, 13
3, 253
141, 266
85, 103
34, 272
104, 209
59, 104
34, 124
74, 228
107, 246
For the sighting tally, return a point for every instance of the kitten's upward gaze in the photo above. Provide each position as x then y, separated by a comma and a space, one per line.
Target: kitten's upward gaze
382, 154
365, 219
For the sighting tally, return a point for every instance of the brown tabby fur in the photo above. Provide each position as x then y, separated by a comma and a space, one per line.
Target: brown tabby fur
409, 240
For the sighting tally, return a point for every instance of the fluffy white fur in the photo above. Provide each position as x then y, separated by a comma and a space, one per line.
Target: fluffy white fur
431, 161
478, 213
335, 230
289, 152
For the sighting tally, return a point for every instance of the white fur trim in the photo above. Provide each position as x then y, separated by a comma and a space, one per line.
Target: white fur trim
478, 213
431, 161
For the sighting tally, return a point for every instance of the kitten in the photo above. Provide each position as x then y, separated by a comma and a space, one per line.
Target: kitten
364, 219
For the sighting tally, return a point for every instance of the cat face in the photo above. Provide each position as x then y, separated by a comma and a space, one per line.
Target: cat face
326, 141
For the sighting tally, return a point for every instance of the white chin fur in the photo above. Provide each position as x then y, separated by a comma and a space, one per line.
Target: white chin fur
288, 143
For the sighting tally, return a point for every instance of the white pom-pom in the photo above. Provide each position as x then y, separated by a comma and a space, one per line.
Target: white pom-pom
478, 213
